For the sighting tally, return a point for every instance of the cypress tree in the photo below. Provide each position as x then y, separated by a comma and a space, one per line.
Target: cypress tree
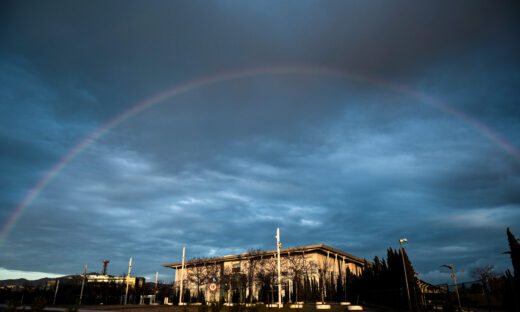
514, 251
514, 248
415, 291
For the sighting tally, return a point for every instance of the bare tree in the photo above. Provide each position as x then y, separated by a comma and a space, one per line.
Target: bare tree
309, 268
264, 275
198, 274
212, 271
270, 273
227, 281
251, 268
323, 279
298, 269
485, 274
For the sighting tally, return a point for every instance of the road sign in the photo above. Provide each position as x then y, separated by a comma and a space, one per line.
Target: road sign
214, 280
212, 287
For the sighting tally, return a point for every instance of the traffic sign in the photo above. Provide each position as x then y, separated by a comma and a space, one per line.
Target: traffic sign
212, 287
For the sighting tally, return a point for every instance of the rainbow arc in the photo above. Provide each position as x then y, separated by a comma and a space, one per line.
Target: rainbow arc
234, 75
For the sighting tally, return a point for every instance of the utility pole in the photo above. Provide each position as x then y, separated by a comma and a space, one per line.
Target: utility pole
405, 277
83, 285
182, 274
450, 266
56, 292
128, 280
156, 289
278, 245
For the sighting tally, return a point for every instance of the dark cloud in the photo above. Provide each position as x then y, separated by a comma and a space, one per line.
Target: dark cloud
347, 162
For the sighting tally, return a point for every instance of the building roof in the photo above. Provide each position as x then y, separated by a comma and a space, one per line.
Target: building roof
431, 287
320, 248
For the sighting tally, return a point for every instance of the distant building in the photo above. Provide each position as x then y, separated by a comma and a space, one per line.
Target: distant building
427, 288
238, 274
97, 278
13, 287
100, 278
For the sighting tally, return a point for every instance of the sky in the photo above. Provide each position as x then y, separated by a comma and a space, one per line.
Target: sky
133, 129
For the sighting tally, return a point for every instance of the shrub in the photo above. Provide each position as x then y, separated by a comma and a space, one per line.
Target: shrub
260, 308
72, 309
12, 305
38, 304
216, 306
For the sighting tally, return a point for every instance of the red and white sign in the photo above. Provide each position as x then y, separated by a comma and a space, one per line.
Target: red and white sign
212, 287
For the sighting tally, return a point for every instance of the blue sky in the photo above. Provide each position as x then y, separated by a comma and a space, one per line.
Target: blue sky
345, 162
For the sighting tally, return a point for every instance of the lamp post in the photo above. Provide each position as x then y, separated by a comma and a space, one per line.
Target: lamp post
182, 275
401, 241
83, 285
451, 267
156, 289
56, 292
278, 245
128, 280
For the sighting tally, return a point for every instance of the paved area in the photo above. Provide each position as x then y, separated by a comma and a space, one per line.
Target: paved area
57, 309
166, 308
163, 308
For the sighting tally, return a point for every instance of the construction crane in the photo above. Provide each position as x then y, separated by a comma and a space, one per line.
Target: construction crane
105, 266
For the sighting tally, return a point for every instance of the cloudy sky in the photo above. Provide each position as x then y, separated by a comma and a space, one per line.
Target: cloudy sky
347, 123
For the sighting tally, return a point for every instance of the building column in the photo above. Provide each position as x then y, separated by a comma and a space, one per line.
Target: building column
326, 274
335, 264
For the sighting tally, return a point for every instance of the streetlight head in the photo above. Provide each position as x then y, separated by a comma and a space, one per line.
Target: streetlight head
403, 240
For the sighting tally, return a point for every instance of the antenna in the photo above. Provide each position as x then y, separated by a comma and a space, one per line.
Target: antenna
105, 266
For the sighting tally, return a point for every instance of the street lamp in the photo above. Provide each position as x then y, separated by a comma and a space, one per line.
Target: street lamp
278, 245
182, 276
401, 241
450, 266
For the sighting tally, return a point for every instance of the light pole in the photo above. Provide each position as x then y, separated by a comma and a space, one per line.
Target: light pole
278, 245
156, 289
450, 266
128, 280
83, 285
182, 275
56, 292
401, 241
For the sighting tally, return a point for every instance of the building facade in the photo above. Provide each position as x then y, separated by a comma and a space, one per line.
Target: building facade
253, 276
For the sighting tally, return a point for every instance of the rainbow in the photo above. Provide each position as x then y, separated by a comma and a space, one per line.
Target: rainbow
233, 75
